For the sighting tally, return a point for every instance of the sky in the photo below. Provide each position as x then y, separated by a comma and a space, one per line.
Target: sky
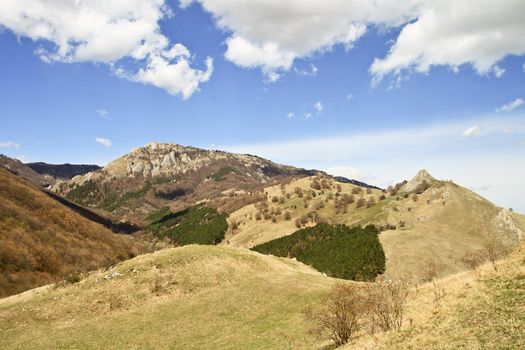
371, 90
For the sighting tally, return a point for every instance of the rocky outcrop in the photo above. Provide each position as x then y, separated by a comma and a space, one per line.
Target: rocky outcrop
421, 177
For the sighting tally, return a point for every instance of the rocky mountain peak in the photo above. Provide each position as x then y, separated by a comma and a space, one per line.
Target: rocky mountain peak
422, 176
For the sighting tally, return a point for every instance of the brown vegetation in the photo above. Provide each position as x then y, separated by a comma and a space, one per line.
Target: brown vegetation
42, 241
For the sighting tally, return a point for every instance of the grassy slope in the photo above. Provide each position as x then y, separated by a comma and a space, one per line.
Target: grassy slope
433, 230
42, 240
484, 311
192, 297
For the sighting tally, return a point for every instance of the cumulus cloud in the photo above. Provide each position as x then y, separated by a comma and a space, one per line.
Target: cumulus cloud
291, 115
9, 144
270, 35
307, 115
509, 107
318, 106
472, 131
103, 141
453, 33
106, 32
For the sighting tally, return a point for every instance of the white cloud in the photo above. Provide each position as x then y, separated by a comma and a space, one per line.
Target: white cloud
106, 32
102, 113
103, 141
453, 33
307, 73
472, 131
318, 106
349, 97
291, 115
307, 115
9, 144
509, 107
498, 72
271, 34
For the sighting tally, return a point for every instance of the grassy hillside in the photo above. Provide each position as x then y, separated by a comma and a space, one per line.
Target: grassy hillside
339, 251
42, 240
192, 297
474, 310
436, 227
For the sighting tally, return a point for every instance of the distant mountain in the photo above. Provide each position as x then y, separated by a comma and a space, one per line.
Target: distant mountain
42, 240
62, 171
18, 168
160, 174
355, 182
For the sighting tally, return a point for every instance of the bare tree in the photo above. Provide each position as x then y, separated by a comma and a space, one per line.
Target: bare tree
340, 316
386, 302
493, 250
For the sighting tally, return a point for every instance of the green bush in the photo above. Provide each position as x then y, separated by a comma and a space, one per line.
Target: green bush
195, 225
112, 201
86, 193
222, 172
337, 250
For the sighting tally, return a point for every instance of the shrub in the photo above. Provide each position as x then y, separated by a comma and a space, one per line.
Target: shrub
340, 315
275, 199
385, 304
258, 216
360, 203
287, 215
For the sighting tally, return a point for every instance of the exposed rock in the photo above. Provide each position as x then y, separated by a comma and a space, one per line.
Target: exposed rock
417, 180
505, 220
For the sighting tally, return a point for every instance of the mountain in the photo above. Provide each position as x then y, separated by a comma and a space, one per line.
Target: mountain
159, 174
425, 223
62, 171
18, 168
42, 240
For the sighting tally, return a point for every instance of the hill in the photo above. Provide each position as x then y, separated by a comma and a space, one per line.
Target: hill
192, 297
42, 241
18, 168
156, 175
425, 223
62, 171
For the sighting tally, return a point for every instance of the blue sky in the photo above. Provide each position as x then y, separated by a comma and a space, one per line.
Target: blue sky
373, 94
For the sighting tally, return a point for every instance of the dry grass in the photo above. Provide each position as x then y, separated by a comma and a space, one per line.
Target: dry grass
482, 310
193, 297
42, 241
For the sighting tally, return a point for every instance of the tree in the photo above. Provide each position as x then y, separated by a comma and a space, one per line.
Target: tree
287, 215
360, 203
492, 250
340, 316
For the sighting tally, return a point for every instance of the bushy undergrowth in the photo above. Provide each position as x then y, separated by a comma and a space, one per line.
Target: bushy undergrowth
112, 201
222, 172
337, 250
86, 193
42, 241
195, 225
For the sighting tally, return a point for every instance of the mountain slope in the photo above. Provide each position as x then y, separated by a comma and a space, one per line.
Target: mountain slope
158, 174
18, 168
435, 228
42, 240
193, 297
62, 171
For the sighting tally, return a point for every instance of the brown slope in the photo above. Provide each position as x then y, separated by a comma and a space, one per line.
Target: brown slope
42, 241
17, 167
